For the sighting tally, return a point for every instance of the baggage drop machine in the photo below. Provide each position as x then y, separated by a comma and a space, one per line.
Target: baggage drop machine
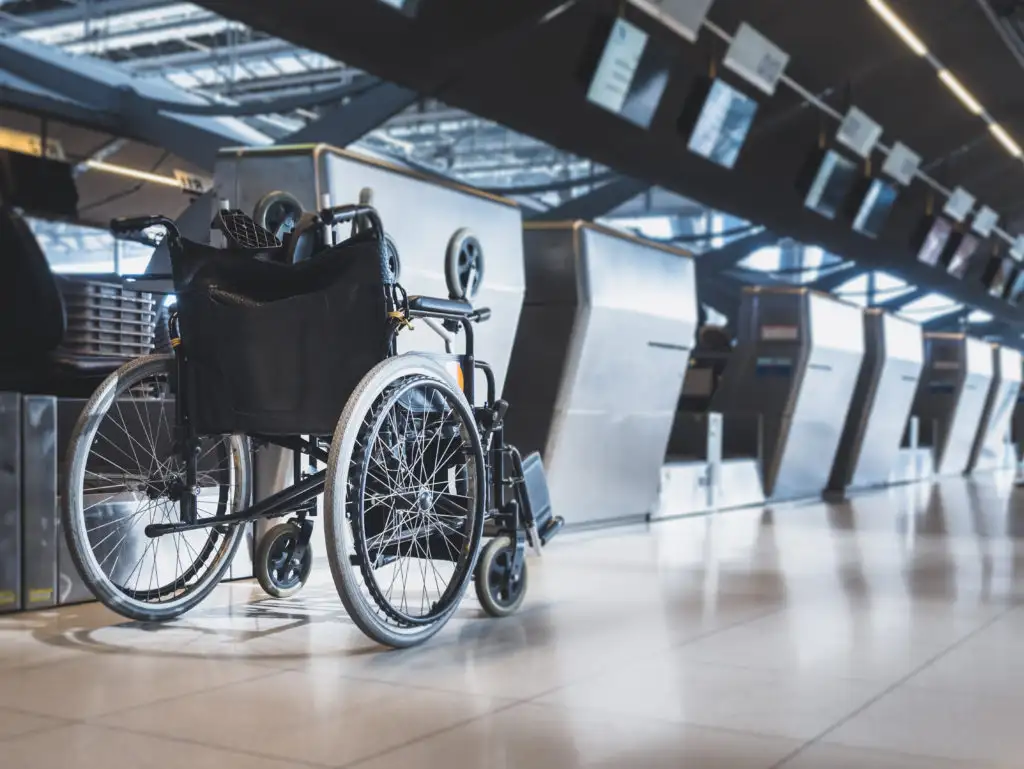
598, 365
951, 397
993, 449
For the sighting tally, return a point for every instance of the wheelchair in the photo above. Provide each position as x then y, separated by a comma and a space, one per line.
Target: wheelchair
301, 353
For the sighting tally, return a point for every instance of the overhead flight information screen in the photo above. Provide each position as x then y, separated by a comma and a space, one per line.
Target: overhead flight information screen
960, 260
875, 208
934, 242
831, 185
631, 73
723, 123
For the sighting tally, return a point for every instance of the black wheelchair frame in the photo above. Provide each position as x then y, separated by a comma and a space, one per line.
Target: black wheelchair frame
506, 506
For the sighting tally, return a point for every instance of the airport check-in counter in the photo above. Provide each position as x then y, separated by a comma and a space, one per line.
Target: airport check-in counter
992, 447
951, 397
870, 450
786, 392
427, 219
598, 365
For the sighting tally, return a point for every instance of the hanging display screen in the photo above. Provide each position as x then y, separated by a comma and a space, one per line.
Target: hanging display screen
934, 242
831, 184
965, 248
1017, 289
998, 275
875, 208
630, 75
724, 120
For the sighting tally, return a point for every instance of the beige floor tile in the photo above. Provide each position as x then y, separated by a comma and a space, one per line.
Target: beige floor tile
86, 746
14, 723
531, 736
837, 757
309, 717
962, 727
96, 684
787, 704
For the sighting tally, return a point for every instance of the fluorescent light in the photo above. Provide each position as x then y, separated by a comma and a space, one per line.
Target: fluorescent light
962, 93
901, 29
131, 173
1005, 139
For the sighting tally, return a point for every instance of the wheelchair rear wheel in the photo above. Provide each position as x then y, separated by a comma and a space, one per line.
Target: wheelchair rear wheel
405, 501
123, 474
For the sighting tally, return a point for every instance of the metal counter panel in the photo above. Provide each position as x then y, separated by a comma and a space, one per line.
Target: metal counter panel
976, 378
812, 429
625, 356
39, 501
883, 415
990, 445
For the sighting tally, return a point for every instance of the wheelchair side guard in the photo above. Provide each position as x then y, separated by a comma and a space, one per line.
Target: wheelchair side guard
535, 500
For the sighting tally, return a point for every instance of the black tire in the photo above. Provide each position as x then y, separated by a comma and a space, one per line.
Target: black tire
464, 265
208, 552
275, 569
494, 561
356, 553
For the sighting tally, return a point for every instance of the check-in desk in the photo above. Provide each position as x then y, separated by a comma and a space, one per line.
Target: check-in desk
951, 397
598, 364
785, 393
993, 449
870, 450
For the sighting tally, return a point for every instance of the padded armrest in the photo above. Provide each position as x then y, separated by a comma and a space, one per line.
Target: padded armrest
430, 305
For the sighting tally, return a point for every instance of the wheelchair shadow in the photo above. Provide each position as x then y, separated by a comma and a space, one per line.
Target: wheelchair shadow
246, 627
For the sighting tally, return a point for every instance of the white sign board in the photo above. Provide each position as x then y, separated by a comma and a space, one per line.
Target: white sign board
902, 163
985, 221
959, 204
756, 59
859, 132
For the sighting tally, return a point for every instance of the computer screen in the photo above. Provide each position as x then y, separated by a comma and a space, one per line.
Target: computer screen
998, 275
934, 242
38, 185
1017, 289
723, 124
875, 208
961, 258
832, 183
631, 73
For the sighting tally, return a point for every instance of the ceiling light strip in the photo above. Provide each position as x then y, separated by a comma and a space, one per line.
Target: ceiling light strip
131, 173
899, 27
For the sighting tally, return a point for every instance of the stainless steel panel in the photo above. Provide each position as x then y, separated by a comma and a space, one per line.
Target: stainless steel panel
599, 365
990, 450
420, 215
892, 372
10, 502
821, 402
39, 501
951, 397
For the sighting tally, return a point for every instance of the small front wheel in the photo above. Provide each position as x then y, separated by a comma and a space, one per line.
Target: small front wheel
281, 569
501, 592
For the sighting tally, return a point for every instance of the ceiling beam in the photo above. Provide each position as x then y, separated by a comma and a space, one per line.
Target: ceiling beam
595, 203
351, 121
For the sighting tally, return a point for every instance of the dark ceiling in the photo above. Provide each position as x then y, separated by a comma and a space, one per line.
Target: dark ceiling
496, 60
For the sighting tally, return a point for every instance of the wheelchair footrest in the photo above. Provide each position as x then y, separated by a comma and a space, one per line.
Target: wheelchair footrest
550, 529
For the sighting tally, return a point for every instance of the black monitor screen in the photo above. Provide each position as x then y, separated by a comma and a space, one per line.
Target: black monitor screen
961, 258
935, 242
631, 74
1000, 274
875, 208
1017, 289
39, 185
836, 175
723, 125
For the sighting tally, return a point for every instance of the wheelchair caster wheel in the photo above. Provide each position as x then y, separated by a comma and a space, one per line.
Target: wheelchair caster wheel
499, 592
279, 570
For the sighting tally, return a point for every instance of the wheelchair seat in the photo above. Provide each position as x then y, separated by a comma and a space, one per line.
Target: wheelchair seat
33, 321
432, 305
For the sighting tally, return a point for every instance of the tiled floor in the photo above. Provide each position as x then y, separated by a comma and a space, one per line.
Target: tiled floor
881, 633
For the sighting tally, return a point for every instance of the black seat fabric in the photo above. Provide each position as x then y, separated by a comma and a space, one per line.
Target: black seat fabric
433, 305
276, 348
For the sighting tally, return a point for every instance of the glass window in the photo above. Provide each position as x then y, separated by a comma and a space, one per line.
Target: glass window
930, 306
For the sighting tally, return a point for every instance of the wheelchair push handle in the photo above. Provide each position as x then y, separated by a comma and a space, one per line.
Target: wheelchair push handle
341, 214
135, 227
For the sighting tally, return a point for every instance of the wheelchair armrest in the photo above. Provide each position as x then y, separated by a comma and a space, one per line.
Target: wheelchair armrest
430, 306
